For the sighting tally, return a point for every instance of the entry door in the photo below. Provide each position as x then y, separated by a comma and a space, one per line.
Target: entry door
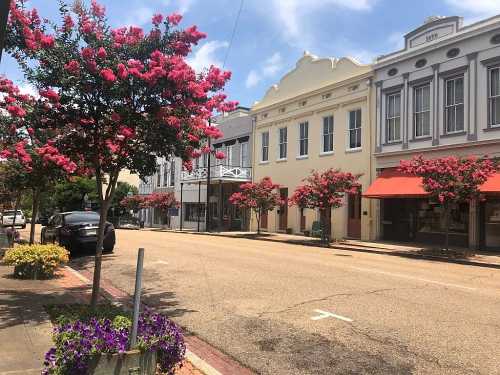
283, 211
354, 219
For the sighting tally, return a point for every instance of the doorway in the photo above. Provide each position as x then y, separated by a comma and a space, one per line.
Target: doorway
354, 215
283, 210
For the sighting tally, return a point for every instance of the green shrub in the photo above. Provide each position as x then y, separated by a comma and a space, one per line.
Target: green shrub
36, 261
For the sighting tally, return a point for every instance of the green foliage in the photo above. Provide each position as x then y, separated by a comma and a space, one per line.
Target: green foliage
122, 190
38, 261
70, 313
69, 196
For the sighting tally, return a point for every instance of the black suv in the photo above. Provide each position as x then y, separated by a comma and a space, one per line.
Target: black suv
77, 231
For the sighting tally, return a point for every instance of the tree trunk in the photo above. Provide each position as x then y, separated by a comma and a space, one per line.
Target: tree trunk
447, 227
257, 215
105, 201
13, 228
325, 226
34, 214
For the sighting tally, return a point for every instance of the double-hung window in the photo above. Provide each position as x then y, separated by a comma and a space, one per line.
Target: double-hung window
283, 141
454, 105
422, 111
229, 155
354, 129
327, 134
265, 146
303, 138
158, 175
494, 96
393, 118
172, 173
165, 174
244, 154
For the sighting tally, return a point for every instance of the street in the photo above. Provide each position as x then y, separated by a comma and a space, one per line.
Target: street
287, 309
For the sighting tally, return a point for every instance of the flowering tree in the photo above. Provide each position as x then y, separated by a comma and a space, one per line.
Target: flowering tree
450, 179
260, 197
325, 191
127, 95
30, 125
160, 201
133, 202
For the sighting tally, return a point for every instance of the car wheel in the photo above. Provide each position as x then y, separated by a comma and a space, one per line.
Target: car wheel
108, 250
42, 238
23, 226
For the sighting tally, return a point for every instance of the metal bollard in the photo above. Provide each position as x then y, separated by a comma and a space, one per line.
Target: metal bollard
137, 297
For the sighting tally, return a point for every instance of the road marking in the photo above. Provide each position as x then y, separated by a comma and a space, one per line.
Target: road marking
162, 262
414, 278
78, 274
326, 314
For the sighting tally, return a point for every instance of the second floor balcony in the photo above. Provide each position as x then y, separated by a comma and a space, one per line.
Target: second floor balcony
218, 172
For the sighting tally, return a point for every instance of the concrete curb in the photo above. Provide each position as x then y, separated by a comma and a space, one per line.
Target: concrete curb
348, 248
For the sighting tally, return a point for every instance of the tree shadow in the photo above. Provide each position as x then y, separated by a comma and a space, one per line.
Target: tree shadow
20, 306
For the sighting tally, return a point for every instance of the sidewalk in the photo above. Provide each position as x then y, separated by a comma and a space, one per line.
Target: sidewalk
26, 330
414, 251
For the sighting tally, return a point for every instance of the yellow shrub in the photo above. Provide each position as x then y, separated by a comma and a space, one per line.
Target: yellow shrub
36, 260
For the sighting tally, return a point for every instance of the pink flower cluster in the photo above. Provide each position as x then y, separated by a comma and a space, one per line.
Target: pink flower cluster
51, 154
261, 196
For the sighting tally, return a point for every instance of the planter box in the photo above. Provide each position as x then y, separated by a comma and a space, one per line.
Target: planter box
129, 363
31, 272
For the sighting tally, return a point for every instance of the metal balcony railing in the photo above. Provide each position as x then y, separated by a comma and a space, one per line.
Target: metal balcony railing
218, 172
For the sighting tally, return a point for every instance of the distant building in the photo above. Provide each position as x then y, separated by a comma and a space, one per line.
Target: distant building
438, 96
317, 117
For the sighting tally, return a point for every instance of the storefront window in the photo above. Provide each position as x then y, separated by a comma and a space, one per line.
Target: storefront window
492, 225
431, 218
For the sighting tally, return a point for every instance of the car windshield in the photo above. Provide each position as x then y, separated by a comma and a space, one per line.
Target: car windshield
11, 213
82, 217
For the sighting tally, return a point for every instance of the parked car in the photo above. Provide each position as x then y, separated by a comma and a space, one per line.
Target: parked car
77, 231
128, 223
8, 218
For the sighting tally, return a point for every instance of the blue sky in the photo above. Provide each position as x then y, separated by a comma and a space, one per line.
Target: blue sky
272, 34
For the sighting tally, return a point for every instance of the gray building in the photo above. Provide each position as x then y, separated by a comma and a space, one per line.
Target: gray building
191, 187
225, 176
438, 96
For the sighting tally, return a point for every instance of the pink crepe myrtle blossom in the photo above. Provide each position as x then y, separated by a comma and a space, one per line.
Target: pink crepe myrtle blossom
174, 19
219, 155
51, 95
101, 53
108, 75
157, 19
72, 67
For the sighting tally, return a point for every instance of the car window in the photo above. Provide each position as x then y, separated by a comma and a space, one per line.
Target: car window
56, 220
81, 217
11, 213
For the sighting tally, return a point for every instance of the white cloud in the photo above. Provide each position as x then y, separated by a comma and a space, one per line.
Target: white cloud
253, 79
184, 5
272, 66
26, 88
291, 14
140, 16
205, 55
483, 7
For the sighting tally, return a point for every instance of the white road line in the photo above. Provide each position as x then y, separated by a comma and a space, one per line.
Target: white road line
326, 314
413, 278
161, 262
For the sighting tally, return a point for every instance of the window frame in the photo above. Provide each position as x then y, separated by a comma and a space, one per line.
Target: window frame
358, 130
329, 134
158, 175
454, 105
165, 174
420, 113
302, 139
264, 147
393, 118
244, 163
229, 155
172, 174
492, 98
282, 143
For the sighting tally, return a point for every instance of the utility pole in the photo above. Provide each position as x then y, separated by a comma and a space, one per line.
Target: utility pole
207, 209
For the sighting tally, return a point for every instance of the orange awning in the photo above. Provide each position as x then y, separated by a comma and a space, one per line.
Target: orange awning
394, 184
492, 186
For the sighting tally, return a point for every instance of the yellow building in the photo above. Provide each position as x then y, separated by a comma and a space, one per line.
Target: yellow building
317, 117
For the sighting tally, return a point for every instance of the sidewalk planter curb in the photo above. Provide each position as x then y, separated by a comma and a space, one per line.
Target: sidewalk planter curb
31, 272
132, 362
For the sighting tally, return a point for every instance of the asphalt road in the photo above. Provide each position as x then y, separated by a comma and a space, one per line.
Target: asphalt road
256, 301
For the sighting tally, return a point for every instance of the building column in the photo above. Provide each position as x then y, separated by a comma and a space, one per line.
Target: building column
406, 115
472, 97
221, 204
181, 216
378, 116
474, 224
435, 105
